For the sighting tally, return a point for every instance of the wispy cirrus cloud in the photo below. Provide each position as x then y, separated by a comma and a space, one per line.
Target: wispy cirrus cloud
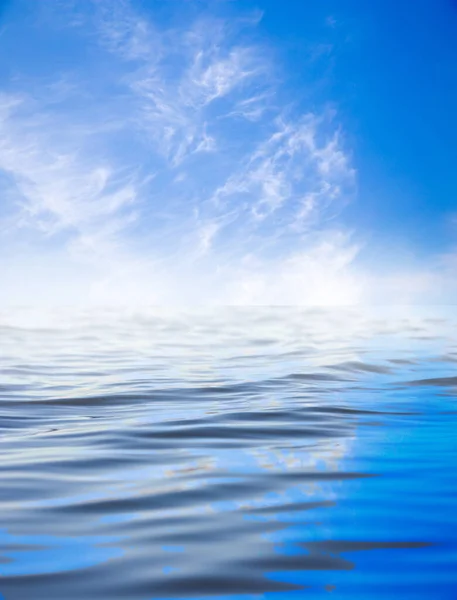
177, 77
57, 188
178, 171
291, 174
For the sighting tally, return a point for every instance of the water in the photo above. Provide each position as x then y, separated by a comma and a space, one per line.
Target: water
237, 454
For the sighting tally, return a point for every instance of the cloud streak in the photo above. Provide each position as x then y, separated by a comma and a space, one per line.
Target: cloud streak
176, 171
55, 187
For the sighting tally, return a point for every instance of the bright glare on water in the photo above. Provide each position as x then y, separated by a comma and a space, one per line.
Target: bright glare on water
236, 454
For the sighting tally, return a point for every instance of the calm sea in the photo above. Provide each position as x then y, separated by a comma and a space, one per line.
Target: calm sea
236, 454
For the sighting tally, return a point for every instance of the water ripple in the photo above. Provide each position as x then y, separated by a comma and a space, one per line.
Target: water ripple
236, 454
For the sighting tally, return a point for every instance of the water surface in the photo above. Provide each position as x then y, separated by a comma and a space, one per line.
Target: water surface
236, 454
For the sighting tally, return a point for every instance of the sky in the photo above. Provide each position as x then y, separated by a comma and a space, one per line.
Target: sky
228, 152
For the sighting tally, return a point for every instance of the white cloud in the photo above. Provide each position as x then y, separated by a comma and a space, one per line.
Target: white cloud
243, 220
58, 189
173, 100
292, 175
321, 274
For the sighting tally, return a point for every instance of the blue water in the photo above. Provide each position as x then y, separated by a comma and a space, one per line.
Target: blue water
237, 454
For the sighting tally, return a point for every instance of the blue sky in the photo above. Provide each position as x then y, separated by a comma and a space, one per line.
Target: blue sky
228, 152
